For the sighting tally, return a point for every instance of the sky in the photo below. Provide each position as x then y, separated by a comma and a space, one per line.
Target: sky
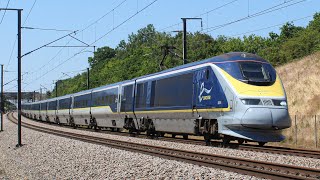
106, 22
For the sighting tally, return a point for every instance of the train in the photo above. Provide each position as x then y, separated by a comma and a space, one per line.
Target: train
236, 96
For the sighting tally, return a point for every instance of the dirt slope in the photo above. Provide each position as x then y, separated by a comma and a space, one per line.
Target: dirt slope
301, 80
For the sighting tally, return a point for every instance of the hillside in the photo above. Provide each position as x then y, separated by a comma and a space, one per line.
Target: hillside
301, 79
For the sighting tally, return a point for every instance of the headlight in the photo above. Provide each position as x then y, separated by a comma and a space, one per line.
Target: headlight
251, 101
279, 102
283, 103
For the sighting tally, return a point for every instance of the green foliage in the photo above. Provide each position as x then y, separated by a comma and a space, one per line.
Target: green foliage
103, 54
144, 50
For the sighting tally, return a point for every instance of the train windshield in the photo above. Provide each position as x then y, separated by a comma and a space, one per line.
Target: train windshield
255, 73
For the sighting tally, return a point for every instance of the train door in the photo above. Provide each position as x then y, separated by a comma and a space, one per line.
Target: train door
58, 107
127, 107
208, 93
127, 98
71, 106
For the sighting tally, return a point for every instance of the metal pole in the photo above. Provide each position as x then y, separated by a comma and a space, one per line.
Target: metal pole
315, 130
40, 94
295, 125
2, 100
19, 79
57, 89
184, 20
88, 79
34, 96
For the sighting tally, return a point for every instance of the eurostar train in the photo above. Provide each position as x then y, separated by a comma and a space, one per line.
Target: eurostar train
234, 96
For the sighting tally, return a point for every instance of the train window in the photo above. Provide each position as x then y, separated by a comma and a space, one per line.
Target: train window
126, 98
64, 103
231, 68
82, 101
141, 95
207, 73
174, 91
105, 97
254, 71
43, 106
52, 105
261, 74
153, 92
37, 106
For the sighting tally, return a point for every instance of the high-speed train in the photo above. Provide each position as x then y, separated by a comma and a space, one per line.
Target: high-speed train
234, 96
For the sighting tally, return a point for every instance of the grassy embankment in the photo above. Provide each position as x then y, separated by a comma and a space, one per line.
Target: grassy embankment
301, 79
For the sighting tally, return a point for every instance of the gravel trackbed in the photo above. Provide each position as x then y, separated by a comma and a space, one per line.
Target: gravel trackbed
46, 156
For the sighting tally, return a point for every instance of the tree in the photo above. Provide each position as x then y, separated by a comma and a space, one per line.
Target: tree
289, 30
315, 23
101, 55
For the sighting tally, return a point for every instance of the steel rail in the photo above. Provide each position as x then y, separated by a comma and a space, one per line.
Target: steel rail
234, 164
307, 153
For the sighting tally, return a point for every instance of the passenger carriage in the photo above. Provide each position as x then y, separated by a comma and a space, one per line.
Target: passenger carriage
234, 96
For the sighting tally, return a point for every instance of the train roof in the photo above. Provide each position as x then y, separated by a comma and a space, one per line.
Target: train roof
228, 57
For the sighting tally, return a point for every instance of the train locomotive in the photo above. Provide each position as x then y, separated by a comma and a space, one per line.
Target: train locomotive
234, 96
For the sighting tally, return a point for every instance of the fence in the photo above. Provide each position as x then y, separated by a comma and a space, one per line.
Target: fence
304, 132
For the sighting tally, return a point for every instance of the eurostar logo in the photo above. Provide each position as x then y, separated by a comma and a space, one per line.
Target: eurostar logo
202, 90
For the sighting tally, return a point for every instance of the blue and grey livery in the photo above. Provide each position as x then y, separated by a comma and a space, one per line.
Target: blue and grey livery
234, 96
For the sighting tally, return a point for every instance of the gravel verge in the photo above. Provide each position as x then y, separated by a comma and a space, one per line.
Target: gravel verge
260, 156
45, 156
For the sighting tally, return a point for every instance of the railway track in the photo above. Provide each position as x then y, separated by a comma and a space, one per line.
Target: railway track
239, 165
308, 153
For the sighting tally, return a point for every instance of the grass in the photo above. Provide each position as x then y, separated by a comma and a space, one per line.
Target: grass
301, 80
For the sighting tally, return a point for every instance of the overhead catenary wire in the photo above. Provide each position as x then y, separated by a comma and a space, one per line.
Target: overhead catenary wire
272, 26
46, 29
205, 13
5, 11
112, 10
76, 71
11, 88
14, 79
29, 12
124, 21
80, 31
101, 37
49, 43
262, 12
13, 48
15, 41
265, 11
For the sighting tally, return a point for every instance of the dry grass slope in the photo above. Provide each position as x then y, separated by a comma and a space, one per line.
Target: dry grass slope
301, 79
